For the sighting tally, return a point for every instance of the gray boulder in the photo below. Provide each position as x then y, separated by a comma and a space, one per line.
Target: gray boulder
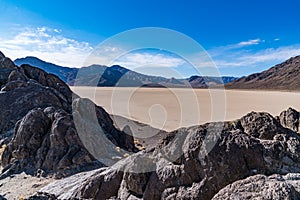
261, 187
290, 119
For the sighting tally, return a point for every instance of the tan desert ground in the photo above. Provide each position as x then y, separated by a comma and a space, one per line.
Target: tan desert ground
172, 108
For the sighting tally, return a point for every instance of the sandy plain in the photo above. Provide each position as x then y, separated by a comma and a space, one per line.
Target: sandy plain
172, 108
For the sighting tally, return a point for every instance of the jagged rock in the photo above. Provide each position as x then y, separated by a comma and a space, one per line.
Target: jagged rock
26, 88
261, 125
290, 119
2, 55
16, 102
182, 167
275, 187
46, 142
6, 67
49, 139
48, 80
13, 85
17, 75
51, 126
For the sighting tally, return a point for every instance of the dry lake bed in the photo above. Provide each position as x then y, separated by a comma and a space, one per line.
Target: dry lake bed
172, 108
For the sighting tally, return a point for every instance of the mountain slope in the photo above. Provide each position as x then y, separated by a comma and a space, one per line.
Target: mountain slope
65, 73
118, 76
284, 76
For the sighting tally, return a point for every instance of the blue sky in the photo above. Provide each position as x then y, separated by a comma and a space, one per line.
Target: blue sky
242, 37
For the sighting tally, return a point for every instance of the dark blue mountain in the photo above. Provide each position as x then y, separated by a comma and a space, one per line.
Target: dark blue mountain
118, 76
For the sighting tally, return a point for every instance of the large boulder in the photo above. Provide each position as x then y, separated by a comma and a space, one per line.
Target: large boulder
46, 140
290, 119
59, 143
261, 187
261, 125
195, 162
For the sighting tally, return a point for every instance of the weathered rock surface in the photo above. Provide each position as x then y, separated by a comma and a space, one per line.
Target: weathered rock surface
27, 88
182, 167
6, 67
47, 128
275, 187
290, 119
47, 140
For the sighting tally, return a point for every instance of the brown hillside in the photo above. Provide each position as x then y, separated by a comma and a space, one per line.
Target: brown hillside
284, 76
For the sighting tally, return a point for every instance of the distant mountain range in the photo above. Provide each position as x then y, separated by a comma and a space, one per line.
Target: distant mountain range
65, 73
284, 76
119, 76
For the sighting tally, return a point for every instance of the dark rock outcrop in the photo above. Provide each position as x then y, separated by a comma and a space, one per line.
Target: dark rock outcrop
290, 119
275, 187
6, 67
46, 126
47, 140
27, 88
182, 167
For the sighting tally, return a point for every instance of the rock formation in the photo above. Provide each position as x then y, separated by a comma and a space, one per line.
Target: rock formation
181, 167
45, 125
263, 187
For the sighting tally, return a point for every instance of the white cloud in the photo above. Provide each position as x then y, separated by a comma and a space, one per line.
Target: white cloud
250, 42
217, 51
136, 60
257, 58
57, 30
47, 44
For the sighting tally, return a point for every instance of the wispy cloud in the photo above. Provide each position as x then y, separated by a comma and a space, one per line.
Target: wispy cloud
251, 58
250, 42
136, 60
237, 47
52, 45
47, 44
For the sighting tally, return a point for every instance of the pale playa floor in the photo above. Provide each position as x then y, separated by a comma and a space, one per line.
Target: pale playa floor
170, 108
21, 186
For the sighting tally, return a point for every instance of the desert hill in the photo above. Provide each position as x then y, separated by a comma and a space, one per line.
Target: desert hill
284, 76
118, 76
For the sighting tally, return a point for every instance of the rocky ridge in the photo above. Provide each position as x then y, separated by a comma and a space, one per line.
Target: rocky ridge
283, 76
258, 146
38, 126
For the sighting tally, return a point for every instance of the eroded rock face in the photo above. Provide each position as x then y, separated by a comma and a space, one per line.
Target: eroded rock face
48, 140
182, 167
18, 98
290, 119
275, 187
261, 125
6, 67
27, 88
51, 126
